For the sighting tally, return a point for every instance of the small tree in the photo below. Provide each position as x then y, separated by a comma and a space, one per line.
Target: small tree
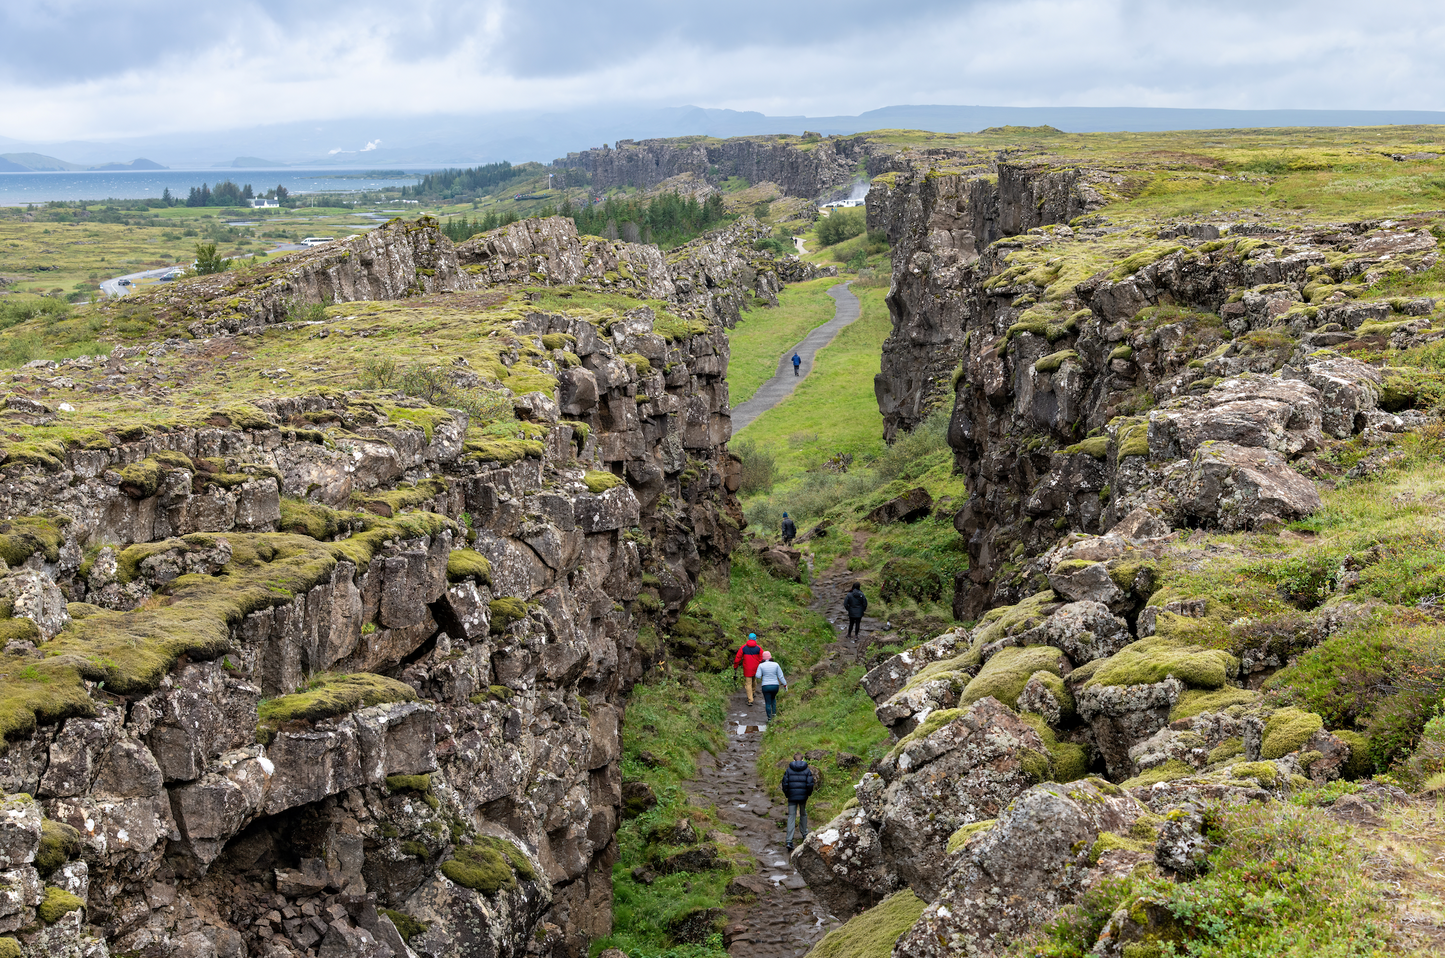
209, 261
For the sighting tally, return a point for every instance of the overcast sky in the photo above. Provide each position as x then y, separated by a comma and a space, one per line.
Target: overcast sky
104, 69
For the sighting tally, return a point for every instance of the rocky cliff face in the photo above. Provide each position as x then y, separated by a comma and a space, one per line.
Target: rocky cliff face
344, 673
938, 224
1100, 368
802, 168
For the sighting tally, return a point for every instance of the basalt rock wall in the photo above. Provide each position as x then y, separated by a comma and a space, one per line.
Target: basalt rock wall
493, 607
808, 170
938, 224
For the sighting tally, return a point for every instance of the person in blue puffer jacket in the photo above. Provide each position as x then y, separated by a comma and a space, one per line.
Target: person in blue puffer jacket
770, 678
798, 783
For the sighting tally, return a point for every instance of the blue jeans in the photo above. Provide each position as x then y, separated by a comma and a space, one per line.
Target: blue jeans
770, 699
797, 811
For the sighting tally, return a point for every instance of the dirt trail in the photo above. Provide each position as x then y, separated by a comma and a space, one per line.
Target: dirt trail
785, 920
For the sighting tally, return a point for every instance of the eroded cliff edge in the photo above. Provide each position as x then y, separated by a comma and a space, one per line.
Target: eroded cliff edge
292, 668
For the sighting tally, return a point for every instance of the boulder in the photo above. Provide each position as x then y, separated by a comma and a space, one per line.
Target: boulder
1122, 716
37, 598
913, 505
1029, 859
782, 562
959, 767
19, 831
1238, 488
1140, 524
1082, 581
1348, 390
893, 673
844, 864
1250, 411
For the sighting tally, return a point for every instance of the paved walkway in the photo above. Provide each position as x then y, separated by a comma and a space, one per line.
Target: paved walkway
783, 383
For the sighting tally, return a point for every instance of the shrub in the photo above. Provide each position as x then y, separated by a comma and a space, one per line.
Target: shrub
760, 467
914, 579
841, 224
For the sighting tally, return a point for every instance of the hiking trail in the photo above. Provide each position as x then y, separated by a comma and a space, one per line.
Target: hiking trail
781, 386
784, 920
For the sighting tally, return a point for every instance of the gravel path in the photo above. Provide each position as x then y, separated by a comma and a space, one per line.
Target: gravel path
783, 383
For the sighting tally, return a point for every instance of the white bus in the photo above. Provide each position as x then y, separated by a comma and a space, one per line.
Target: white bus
316, 240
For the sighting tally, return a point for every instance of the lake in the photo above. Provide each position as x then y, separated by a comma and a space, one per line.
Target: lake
20, 188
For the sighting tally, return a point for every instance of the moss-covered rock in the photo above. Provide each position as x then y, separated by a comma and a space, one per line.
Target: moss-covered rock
56, 904
1199, 701
873, 933
1170, 770
489, 865
1287, 730
406, 926
1154, 659
597, 482
331, 694
963, 833
468, 564
1361, 762
59, 843
505, 611
1005, 675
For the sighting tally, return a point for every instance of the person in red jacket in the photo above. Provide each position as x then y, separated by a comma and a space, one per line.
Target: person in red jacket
750, 656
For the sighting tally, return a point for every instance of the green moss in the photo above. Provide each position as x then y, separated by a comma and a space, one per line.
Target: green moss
935, 721
1005, 675
1098, 447
404, 496
321, 523
489, 865
873, 933
427, 418
240, 416
413, 783
1053, 361
22, 538
1360, 762
331, 694
1287, 730
1264, 773
415, 849
600, 481
1170, 770
558, 340
502, 450
18, 630
1036, 765
505, 611
464, 564
10, 948
961, 835
1109, 842
1010, 620
644, 366
406, 926
142, 479
59, 843
1154, 659
1226, 750
1198, 701
56, 904
1124, 351
1055, 684
1134, 440
1069, 762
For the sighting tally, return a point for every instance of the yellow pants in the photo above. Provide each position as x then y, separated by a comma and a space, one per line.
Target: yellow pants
748, 683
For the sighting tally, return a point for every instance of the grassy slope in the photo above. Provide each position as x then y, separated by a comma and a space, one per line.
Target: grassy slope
764, 335
834, 409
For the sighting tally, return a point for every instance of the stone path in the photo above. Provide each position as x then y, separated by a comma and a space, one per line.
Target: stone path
785, 920
783, 383
829, 587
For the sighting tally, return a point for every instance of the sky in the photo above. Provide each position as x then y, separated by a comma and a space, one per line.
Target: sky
114, 69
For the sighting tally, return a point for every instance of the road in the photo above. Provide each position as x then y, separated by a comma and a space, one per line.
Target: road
112, 287
784, 381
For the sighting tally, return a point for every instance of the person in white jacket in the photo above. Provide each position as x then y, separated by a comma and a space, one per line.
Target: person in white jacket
770, 678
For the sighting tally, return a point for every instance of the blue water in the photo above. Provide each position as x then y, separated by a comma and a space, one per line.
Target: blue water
18, 188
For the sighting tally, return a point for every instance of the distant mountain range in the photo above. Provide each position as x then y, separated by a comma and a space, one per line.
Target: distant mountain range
452, 140
40, 163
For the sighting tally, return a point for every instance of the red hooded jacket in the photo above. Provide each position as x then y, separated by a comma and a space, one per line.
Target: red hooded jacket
750, 656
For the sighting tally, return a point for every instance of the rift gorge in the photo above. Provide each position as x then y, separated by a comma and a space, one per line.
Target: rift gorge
381, 598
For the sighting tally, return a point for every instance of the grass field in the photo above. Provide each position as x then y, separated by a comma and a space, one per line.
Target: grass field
765, 335
834, 409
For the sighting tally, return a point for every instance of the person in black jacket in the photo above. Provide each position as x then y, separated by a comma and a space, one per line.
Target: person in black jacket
798, 783
790, 529
855, 603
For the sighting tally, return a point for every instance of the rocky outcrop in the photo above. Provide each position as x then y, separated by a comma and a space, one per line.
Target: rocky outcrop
938, 225
710, 279
285, 681
1187, 377
807, 168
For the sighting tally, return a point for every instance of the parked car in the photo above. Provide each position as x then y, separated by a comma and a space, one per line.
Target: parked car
124, 282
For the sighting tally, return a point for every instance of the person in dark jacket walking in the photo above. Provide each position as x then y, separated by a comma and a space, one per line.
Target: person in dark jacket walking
790, 529
797, 361
855, 603
798, 783
750, 656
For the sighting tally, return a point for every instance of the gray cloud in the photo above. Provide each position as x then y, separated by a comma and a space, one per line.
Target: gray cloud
116, 68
